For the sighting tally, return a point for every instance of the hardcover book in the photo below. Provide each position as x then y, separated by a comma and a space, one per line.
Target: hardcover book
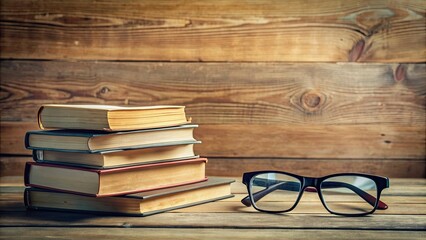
116, 181
142, 204
109, 118
97, 141
154, 153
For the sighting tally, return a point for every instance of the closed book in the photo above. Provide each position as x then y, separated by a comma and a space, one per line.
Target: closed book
109, 118
142, 204
116, 181
153, 153
97, 141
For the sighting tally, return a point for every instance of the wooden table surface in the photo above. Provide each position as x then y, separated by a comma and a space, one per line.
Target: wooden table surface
226, 219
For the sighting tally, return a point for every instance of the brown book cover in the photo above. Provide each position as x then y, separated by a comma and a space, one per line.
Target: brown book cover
116, 181
110, 118
119, 158
140, 204
93, 141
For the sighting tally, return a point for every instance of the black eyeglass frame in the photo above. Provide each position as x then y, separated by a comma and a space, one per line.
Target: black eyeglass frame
381, 184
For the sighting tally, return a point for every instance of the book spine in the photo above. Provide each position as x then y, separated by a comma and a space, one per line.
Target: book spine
40, 124
27, 198
27, 140
37, 155
27, 173
99, 184
108, 128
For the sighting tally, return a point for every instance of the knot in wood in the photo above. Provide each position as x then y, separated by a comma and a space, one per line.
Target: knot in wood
102, 92
105, 90
400, 73
356, 51
312, 100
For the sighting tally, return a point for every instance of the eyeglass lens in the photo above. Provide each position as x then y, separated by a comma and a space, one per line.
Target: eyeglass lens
349, 194
274, 191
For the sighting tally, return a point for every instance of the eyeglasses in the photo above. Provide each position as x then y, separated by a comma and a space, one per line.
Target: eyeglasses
349, 194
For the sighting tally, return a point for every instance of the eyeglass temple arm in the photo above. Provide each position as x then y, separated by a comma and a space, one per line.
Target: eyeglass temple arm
293, 186
364, 195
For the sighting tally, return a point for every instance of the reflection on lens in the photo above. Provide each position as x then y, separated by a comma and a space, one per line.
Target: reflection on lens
349, 194
274, 191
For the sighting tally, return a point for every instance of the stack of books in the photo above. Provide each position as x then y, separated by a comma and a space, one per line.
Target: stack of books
123, 160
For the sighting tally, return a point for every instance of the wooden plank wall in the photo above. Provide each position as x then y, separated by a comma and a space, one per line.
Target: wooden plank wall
311, 87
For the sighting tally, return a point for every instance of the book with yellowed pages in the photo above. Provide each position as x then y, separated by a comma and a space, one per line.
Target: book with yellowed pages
146, 154
142, 204
98, 141
109, 118
115, 181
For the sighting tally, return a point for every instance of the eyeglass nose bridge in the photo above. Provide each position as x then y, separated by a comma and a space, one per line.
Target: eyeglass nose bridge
310, 185
310, 182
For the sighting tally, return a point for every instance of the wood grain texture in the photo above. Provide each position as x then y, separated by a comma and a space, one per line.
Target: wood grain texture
281, 141
223, 93
285, 110
302, 208
12, 135
14, 166
226, 219
413, 189
309, 204
207, 234
318, 31
234, 219
318, 167
259, 104
312, 141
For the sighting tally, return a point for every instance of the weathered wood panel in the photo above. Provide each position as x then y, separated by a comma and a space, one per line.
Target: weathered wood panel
227, 218
14, 166
285, 110
405, 197
219, 93
312, 206
12, 136
303, 207
320, 31
403, 190
207, 234
312, 141
280, 141
234, 219
318, 167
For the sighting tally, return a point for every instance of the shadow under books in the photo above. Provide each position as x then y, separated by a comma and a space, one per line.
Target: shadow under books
46, 217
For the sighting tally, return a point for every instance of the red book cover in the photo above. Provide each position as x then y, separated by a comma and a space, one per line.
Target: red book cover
132, 185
